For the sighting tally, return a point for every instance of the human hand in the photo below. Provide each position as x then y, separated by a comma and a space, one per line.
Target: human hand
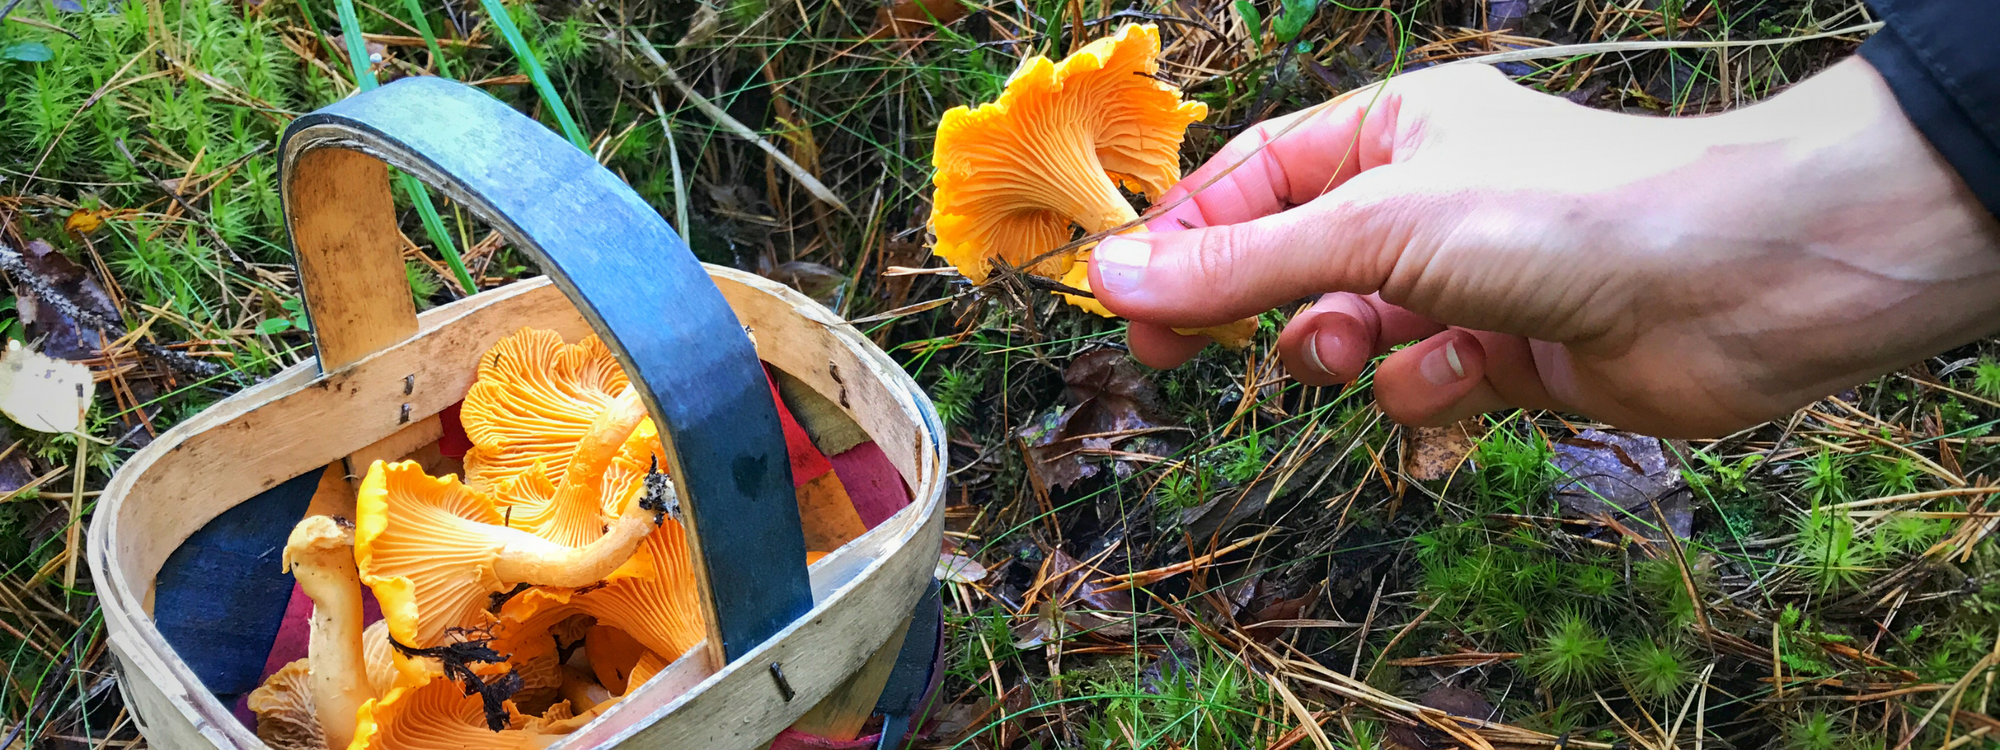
1675, 276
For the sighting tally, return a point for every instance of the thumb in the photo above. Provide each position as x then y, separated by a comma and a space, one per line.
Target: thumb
1347, 240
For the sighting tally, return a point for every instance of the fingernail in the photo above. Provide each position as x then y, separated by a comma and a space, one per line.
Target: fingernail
1442, 367
1322, 340
1121, 264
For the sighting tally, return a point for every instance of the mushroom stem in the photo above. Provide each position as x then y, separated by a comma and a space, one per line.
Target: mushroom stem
607, 434
320, 554
530, 559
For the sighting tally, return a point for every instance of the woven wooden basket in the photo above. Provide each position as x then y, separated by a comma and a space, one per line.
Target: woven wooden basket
783, 637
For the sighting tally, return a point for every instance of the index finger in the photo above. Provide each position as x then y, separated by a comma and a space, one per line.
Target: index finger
1285, 161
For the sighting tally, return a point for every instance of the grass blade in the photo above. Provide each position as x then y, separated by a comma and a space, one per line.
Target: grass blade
420, 196
497, 12
357, 46
434, 226
430, 40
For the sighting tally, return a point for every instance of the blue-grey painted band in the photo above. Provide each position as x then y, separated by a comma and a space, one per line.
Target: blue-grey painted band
640, 287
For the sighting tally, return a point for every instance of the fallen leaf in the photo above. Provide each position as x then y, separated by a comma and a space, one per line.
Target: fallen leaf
62, 337
1036, 631
1433, 453
959, 569
43, 393
954, 720
1282, 609
1075, 581
1452, 700
1622, 475
1206, 522
83, 222
1073, 603
1110, 403
908, 18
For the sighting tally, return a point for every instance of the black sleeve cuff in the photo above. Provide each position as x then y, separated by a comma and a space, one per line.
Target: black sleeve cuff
1939, 58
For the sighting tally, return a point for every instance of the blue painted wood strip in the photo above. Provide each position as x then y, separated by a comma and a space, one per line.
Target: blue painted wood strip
221, 596
640, 287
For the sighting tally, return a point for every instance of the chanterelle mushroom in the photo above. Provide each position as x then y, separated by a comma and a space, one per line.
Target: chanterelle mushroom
540, 401
652, 597
435, 551
287, 714
286, 719
320, 554
438, 715
1016, 174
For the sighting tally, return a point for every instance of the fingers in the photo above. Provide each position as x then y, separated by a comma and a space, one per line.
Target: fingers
1435, 379
1333, 341
1158, 347
1347, 240
1286, 161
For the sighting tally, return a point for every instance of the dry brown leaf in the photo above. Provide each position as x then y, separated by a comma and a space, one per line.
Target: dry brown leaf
1621, 475
1433, 453
909, 18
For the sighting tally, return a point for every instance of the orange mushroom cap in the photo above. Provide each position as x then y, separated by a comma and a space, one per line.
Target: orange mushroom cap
434, 551
570, 514
652, 598
1015, 174
438, 715
613, 654
539, 400
286, 719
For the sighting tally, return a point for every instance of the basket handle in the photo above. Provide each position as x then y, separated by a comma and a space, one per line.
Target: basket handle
631, 277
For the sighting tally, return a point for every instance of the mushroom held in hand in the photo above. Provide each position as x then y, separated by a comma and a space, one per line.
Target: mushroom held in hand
435, 551
1016, 174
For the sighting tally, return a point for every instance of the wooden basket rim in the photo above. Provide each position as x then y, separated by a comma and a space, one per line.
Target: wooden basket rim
137, 642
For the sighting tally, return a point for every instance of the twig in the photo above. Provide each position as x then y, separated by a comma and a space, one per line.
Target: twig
12, 262
722, 118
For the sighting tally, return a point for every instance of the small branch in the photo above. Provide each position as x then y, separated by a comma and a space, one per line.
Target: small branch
805, 178
17, 266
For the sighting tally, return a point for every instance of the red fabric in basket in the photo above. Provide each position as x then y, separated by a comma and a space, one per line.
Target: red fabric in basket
872, 482
807, 462
454, 442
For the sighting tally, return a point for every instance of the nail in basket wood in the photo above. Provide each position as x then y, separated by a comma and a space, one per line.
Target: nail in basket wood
685, 332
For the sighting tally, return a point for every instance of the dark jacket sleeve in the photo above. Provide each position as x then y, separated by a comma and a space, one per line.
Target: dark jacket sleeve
1942, 60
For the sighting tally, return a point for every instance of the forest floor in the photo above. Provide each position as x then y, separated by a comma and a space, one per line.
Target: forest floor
1246, 563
